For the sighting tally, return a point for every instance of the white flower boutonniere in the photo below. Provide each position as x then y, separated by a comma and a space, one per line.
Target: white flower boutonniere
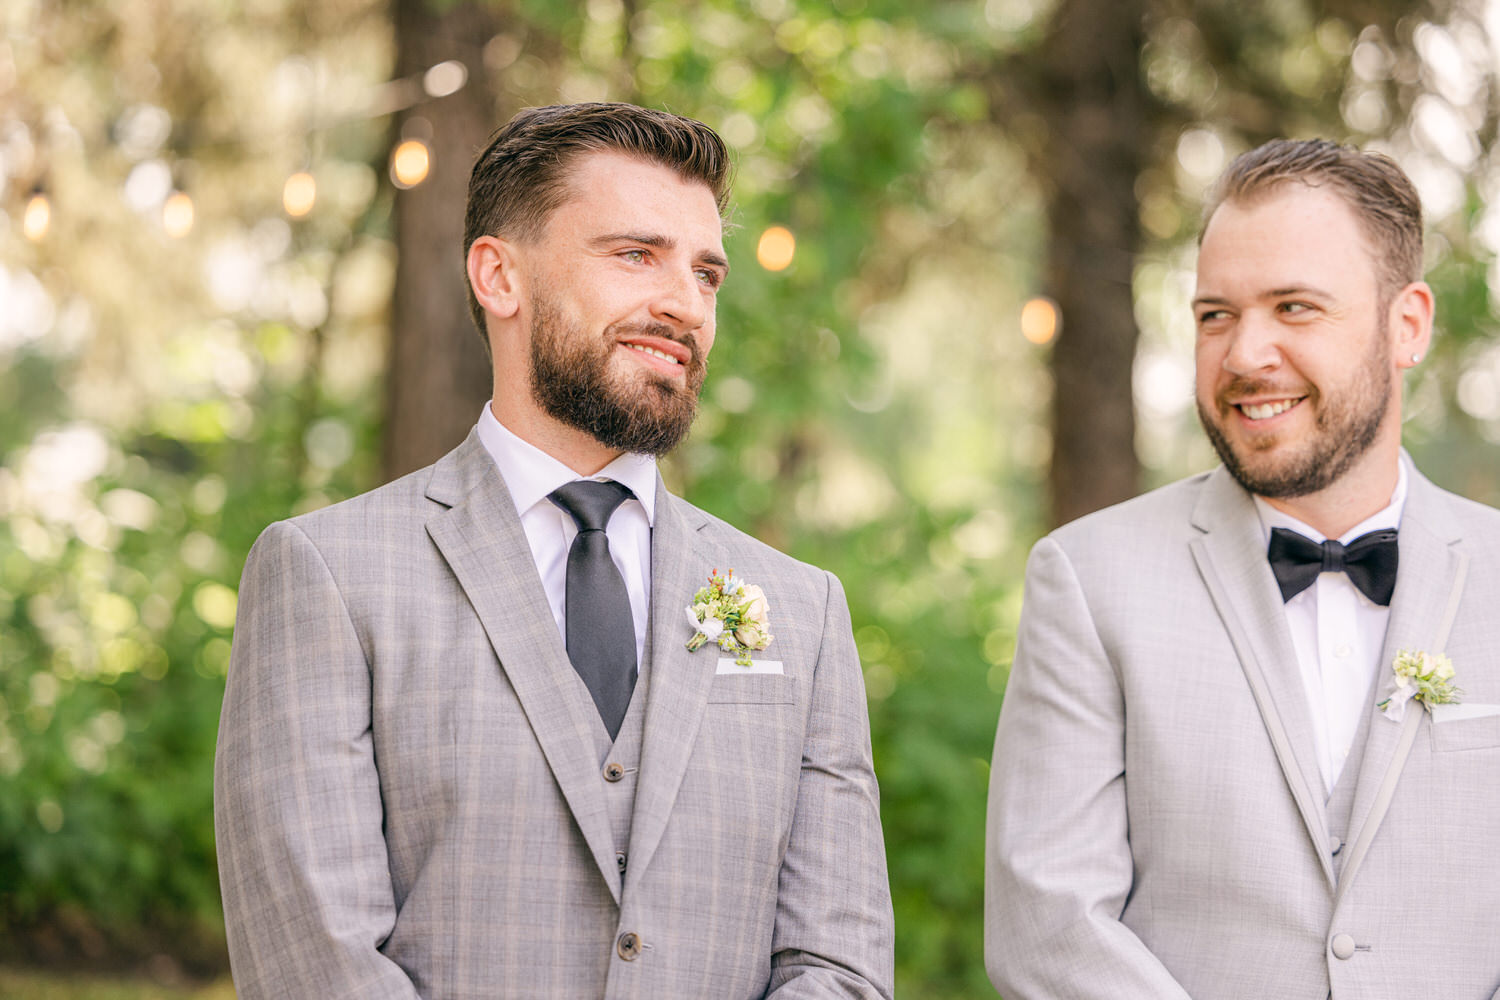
1424, 677
731, 613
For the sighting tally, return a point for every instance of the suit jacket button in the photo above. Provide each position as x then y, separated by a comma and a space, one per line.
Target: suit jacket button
613, 771
629, 947
1343, 946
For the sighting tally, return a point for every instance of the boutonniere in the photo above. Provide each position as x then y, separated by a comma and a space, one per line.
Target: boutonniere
1425, 677
733, 614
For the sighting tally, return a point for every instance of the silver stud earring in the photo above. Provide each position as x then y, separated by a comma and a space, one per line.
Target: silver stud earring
1416, 359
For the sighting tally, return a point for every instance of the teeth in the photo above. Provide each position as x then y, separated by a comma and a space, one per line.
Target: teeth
654, 352
1264, 411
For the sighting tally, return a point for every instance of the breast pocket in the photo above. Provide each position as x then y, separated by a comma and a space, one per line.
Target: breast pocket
752, 689
1481, 733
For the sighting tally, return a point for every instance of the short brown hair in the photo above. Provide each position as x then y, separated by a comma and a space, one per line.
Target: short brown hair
521, 177
1383, 198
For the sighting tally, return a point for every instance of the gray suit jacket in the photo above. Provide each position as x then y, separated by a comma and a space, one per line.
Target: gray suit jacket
408, 800
1157, 823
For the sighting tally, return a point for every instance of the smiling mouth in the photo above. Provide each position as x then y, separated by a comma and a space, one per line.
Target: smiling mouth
663, 355
1265, 411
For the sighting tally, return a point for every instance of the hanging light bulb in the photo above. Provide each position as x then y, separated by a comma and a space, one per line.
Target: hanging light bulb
177, 214
410, 163
38, 216
299, 194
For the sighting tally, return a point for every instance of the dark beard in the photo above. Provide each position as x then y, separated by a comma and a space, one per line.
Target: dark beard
572, 382
1344, 433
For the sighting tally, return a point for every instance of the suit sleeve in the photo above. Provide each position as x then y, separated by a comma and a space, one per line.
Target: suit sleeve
1057, 854
834, 934
297, 811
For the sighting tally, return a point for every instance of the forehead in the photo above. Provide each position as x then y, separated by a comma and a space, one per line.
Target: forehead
612, 192
1292, 235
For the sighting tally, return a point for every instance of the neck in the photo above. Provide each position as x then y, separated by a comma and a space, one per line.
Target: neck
1359, 494
570, 446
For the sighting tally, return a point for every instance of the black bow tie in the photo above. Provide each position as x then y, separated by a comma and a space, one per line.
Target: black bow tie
1369, 561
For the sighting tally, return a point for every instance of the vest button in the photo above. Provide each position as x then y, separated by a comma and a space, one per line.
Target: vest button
620, 861
1343, 946
1335, 845
629, 946
613, 771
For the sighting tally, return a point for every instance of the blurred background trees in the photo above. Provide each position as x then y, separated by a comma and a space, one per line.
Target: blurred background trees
231, 290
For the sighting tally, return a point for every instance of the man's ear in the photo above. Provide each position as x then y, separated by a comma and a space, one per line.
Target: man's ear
1410, 316
494, 274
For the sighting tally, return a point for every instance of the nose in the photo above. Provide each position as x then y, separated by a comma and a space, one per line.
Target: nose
1253, 347
680, 302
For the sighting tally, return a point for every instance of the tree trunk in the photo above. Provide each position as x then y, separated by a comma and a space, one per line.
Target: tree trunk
438, 376
1092, 96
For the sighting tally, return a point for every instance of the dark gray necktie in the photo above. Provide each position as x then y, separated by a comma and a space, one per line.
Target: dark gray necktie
600, 627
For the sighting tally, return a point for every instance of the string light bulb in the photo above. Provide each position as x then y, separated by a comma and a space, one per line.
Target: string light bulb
299, 194
177, 214
37, 217
776, 249
410, 163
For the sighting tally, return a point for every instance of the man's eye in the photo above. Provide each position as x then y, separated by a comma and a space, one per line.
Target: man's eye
634, 256
1211, 316
1295, 307
709, 277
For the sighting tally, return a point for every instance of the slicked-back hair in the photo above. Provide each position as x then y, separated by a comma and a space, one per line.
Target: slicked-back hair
1383, 198
522, 176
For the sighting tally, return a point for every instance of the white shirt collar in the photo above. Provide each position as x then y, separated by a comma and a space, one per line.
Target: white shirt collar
1387, 517
530, 473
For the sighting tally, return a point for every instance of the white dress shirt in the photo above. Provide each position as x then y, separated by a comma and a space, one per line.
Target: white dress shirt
530, 474
1338, 633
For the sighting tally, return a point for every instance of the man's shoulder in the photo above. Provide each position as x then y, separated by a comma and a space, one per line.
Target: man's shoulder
1159, 514
742, 546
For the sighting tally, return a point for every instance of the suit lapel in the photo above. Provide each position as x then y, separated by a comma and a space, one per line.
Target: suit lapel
1429, 583
681, 558
1232, 559
481, 537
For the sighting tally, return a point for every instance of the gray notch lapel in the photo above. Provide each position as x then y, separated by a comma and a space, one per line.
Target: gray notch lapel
1231, 555
1429, 582
681, 557
481, 538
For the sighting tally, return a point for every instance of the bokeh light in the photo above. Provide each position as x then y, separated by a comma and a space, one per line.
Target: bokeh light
776, 248
410, 163
1039, 320
298, 194
177, 215
37, 218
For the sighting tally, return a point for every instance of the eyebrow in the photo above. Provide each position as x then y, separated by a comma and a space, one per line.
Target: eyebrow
710, 257
1273, 293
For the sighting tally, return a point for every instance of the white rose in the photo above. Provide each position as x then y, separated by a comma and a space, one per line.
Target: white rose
753, 635
756, 609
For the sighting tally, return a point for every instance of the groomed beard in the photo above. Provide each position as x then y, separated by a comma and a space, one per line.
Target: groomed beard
1344, 430
572, 381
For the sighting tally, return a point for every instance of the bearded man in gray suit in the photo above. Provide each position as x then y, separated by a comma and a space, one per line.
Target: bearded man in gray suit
1211, 778
477, 741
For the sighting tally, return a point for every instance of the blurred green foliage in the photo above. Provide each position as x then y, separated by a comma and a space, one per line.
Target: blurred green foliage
871, 408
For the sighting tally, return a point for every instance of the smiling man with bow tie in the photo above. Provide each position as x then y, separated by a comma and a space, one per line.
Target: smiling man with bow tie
472, 746
1210, 779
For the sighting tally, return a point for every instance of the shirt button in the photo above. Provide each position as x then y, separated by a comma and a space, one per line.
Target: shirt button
1342, 651
613, 771
629, 946
620, 861
1343, 946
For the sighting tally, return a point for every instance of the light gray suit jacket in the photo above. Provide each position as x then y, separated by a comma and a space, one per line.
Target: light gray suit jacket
1157, 822
408, 800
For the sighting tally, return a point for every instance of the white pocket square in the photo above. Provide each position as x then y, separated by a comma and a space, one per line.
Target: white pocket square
728, 666
1463, 710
